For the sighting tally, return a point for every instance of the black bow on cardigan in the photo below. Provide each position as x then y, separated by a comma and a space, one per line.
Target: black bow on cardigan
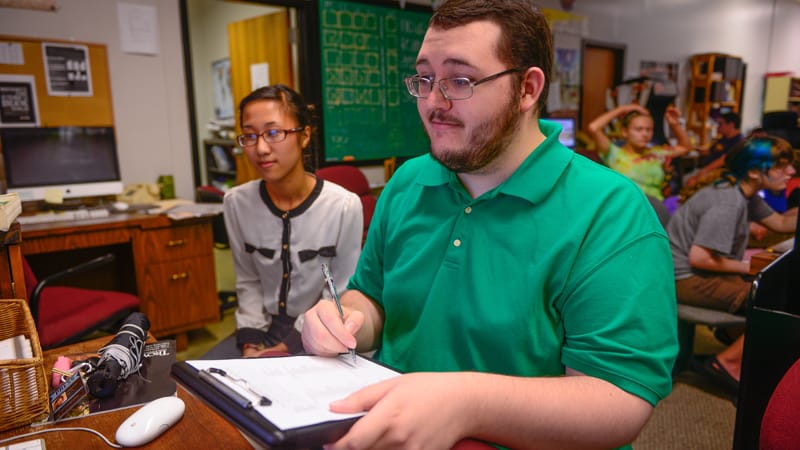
327, 252
304, 255
265, 252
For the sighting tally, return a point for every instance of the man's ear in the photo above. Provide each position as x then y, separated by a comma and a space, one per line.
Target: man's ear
532, 86
754, 174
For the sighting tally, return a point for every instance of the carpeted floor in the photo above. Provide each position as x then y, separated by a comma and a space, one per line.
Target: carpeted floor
696, 415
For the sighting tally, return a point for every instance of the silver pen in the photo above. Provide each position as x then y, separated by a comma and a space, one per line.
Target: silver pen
326, 273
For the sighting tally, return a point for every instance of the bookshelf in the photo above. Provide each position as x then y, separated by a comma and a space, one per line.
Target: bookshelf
221, 162
716, 84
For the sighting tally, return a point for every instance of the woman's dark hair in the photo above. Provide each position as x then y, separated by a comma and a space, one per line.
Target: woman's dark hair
525, 39
291, 100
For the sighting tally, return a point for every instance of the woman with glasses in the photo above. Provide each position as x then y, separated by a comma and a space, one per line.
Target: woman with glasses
635, 157
709, 233
283, 227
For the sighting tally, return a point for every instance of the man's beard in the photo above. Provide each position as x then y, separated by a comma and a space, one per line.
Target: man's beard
486, 142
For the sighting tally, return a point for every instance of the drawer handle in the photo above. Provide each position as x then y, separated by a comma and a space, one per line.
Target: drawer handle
179, 276
176, 243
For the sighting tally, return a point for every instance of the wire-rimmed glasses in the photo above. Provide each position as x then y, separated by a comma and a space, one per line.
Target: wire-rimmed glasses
270, 136
459, 88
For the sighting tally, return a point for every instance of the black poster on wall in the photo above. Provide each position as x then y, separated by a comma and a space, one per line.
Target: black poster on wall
67, 70
16, 104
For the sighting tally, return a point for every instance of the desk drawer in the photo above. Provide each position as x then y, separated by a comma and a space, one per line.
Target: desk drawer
184, 241
179, 295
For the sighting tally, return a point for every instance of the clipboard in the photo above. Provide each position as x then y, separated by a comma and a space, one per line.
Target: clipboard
255, 425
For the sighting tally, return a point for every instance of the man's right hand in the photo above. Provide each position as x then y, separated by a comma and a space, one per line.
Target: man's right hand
324, 333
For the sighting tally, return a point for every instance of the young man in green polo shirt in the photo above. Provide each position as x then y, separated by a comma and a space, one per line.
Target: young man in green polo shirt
526, 290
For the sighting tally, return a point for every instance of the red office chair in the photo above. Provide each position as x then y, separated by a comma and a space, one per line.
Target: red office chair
352, 179
64, 315
779, 429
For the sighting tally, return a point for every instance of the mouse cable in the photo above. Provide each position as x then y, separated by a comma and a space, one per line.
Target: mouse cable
34, 433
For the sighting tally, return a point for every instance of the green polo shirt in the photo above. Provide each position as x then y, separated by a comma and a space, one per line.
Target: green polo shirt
563, 264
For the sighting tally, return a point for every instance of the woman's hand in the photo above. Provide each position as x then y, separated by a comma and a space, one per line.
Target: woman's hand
673, 115
261, 350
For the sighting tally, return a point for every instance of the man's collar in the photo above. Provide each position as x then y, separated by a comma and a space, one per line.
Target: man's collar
548, 161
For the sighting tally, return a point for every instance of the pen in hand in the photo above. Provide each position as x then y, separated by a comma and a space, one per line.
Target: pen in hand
326, 274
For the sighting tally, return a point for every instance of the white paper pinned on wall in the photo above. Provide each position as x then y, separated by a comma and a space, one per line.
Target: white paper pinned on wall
11, 53
138, 28
259, 75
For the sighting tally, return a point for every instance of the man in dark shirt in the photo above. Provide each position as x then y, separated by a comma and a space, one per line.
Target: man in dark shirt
713, 157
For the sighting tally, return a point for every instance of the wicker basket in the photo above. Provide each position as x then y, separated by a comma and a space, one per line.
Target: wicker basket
23, 383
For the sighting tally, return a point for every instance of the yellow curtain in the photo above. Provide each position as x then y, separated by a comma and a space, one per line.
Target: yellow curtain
263, 39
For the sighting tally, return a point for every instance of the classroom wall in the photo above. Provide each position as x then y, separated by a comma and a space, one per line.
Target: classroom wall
763, 33
149, 92
208, 21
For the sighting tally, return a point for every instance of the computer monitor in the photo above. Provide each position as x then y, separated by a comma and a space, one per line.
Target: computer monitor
72, 161
567, 136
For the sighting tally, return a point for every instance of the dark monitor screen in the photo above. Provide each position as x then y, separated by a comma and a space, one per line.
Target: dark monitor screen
567, 136
58, 158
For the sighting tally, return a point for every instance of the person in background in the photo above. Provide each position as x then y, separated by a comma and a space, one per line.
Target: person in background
646, 165
511, 325
713, 157
709, 234
283, 227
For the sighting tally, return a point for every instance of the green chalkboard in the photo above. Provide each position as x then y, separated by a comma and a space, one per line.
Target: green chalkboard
366, 51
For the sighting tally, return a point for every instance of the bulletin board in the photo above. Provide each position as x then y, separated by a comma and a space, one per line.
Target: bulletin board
72, 86
366, 52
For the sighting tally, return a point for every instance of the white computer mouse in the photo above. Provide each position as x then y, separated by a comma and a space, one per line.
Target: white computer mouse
149, 421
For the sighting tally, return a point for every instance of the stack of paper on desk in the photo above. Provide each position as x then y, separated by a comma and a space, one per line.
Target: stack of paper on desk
10, 208
17, 347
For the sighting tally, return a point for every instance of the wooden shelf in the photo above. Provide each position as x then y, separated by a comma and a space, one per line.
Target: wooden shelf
220, 162
716, 83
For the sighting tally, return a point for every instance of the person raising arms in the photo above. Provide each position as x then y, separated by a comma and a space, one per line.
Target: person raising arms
635, 158
511, 325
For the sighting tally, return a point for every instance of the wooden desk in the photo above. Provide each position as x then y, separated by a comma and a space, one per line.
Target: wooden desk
200, 426
12, 278
170, 267
761, 260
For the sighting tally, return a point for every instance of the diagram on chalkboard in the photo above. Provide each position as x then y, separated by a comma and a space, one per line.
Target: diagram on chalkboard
366, 52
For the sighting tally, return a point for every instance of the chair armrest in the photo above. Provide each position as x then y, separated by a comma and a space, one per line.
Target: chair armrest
80, 268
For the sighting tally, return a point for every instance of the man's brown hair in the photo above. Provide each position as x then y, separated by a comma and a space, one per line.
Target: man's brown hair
525, 39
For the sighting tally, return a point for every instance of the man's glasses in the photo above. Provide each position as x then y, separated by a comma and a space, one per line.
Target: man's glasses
270, 136
459, 88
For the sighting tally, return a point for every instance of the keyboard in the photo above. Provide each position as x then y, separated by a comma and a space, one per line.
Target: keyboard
64, 216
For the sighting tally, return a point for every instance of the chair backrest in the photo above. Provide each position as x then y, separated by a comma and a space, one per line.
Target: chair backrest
779, 429
354, 180
349, 177
771, 346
